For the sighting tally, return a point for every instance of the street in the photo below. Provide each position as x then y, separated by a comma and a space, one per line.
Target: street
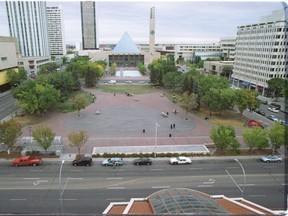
90, 189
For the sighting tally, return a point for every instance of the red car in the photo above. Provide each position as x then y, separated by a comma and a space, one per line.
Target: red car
27, 161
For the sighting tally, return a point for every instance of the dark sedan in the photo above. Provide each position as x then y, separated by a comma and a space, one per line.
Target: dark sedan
261, 112
83, 161
142, 161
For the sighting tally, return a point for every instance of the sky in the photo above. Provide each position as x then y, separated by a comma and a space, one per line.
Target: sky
182, 22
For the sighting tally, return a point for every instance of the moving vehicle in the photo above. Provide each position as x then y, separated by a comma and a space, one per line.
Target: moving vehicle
86, 160
113, 162
273, 109
273, 118
27, 161
180, 160
142, 161
271, 158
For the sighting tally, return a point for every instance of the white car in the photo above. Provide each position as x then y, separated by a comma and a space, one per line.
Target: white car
180, 160
272, 109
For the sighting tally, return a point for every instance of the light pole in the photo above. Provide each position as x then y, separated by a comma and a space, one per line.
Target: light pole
244, 176
60, 183
155, 144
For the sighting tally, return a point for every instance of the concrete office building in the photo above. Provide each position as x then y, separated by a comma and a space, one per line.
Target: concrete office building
261, 52
28, 23
88, 25
227, 45
56, 31
8, 60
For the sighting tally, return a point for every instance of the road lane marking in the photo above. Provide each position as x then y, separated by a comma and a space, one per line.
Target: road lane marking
205, 185
114, 178
159, 187
113, 199
196, 168
284, 184
75, 178
39, 181
30, 178
156, 169
257, 195
246, 185
17, 199
115, 188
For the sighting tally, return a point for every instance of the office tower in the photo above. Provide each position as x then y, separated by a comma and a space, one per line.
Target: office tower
56, 31
152, 31
88, 25
261, 52
28, 22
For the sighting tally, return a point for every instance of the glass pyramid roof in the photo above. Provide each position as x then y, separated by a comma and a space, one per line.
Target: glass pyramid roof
126, 45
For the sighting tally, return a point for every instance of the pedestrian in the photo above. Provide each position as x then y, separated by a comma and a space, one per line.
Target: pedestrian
171, 126
170, 135
143, 130
114, 94
167, 113
174, 125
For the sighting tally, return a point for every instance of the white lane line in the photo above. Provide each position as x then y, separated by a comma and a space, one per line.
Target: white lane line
259, 195
241, 185
156, 169
205, 185
284, 184
113, 199
196, 168
30, 178
114, 178
157, 187
115, 188
75, 178
17, 199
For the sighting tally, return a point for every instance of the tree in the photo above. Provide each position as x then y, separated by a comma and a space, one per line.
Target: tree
227, 71
172, 79
142, 68
223, 137
93, 72
80, 101
64, 60
15, 77
277, 136
112, 69
246, 98
256, 137
219, 99
208, 82
36, 98
275, 87
9, 132
43, 136
189, 102
48, 68
78, 139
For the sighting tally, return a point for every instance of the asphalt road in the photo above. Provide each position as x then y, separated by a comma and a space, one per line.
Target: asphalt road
89, 190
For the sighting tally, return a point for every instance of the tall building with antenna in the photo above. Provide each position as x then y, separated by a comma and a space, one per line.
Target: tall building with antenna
152, 32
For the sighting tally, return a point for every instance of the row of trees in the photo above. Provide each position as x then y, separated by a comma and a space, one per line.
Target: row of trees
224, 137
38, 95
43, 135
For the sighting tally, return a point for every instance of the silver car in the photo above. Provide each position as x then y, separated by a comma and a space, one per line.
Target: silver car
113, 162
271, 158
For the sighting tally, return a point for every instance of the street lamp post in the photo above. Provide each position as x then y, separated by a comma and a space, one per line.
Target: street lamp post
155, 144
244, 176
60, 187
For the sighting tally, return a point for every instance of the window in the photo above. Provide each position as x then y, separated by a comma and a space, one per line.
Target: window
3, 58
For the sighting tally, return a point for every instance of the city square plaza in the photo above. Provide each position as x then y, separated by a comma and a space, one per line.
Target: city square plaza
117, 123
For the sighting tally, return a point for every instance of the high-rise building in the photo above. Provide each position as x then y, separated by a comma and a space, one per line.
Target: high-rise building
261, 52
152, 31
228, 48
56, 31
88, 25
28, 23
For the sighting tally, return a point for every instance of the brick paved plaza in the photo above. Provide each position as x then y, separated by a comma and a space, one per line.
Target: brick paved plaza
121, 121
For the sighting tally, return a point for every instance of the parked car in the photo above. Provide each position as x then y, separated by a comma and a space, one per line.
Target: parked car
142, 161
113, 162
86, 160
273, 109
261, 112
273, 118
283, 122
253, 123
27, 161
180, 160
271, 158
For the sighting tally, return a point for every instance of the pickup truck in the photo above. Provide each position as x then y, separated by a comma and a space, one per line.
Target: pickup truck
27, 161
